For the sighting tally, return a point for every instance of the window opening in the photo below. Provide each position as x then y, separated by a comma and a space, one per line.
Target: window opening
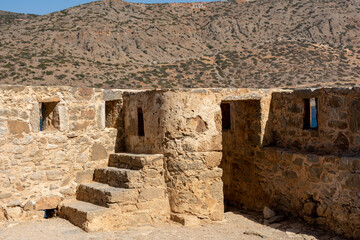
141, 131
49, 118
225, 114
310, 114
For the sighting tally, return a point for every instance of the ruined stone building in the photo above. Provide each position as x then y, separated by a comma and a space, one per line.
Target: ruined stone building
108, 159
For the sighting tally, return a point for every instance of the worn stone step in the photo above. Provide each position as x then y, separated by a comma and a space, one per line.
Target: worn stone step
134, 161
88, 216
104, 195
118, 177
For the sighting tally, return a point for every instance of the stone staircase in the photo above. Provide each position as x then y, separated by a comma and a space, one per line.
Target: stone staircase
130, 191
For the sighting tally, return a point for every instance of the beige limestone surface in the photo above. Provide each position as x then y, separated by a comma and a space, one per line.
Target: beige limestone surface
235, 226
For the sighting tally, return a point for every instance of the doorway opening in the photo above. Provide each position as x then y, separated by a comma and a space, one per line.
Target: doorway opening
241, 135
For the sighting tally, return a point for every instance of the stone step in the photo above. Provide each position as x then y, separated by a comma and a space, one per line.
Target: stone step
105, 195
85, 215
134, 161
118, 177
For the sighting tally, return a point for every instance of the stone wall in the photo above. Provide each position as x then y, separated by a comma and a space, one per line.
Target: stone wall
311, 173
39, 168
338, 121
265, 157
185, 126
322, 189
151, 105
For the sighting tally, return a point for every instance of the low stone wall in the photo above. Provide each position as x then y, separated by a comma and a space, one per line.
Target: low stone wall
323, 190
338, 115
306, 172
39, 168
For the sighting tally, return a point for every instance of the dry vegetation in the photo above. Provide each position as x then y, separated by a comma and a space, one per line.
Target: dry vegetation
286, 43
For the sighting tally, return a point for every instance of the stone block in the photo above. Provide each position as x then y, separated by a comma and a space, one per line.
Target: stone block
335, 102
298, 161
217, 212
342, 142
85, 93
309, 208
84, 176
29, 205
35, 117
51, 146
268, 213
88, 114
101, 116
63, 117
98, 152
315, 172
53, 175
215, 173
18, 127
19, 150
67, 191
111, 95
3, 131
5, 195
14, 213
323, 210
57, 139
36, 176
25, 140
80, 126
186, 220
15, 203
338, 124
2, 214
216, 191
48, 99
313, 159
50, 202
352, 182
213, 159
151, 193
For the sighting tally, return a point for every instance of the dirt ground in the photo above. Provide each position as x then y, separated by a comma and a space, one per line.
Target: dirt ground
235, 226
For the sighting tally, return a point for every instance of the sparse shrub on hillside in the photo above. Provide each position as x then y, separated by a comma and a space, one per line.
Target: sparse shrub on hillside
60, 77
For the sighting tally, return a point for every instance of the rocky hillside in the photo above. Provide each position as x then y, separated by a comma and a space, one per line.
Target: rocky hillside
10, 17
262, 43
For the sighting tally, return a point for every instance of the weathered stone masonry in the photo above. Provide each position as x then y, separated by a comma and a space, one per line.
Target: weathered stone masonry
261, 155
311, 173
36, 165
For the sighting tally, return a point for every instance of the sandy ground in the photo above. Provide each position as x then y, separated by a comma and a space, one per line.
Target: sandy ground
235, 226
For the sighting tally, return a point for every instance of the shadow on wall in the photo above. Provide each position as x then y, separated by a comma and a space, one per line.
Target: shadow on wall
241, 135
114, 118
305, 170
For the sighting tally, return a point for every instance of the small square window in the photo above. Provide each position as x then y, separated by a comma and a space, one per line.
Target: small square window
50, 117
310, 113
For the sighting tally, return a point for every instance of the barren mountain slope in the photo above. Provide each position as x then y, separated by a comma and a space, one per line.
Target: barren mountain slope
264, 43
10, 17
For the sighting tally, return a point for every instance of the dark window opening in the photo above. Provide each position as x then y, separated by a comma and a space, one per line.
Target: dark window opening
310, 113
49, 118
225, 114
112, 112
141, 131
49, 213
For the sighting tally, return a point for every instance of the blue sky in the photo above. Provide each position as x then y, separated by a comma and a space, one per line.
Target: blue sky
47, 6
